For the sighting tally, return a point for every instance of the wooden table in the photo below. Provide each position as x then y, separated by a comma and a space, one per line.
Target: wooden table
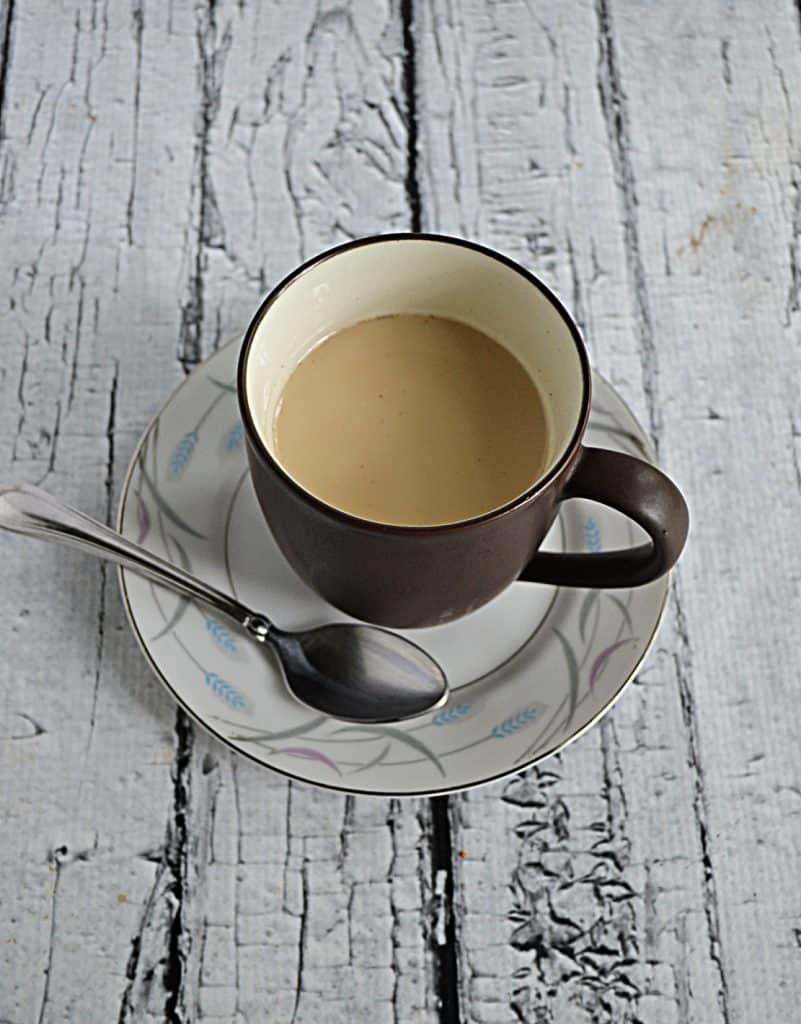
161, 165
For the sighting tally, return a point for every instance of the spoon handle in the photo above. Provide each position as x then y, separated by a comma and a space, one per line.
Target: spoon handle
34, 512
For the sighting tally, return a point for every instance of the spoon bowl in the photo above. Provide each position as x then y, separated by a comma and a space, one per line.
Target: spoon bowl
390, 678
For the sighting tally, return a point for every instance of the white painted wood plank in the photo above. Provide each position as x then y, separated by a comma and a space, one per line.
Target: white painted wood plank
91, 274
724, 194
302, 145
161, 166
644, 871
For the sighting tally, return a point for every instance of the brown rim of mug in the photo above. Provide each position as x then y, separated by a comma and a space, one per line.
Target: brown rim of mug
345, 517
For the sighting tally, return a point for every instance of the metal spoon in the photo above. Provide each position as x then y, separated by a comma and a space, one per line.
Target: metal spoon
355, 672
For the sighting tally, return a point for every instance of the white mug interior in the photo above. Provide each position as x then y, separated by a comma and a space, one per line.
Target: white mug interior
434, 277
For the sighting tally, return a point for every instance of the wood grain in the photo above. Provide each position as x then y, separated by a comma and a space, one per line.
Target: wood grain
646, 166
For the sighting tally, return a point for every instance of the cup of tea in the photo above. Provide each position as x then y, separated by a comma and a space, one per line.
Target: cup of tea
414, 409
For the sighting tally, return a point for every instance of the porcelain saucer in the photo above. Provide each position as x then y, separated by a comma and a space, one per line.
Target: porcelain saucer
529, 672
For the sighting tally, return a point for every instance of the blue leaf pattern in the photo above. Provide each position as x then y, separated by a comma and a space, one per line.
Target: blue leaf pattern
183, 453
225, 691
450, 715
221, 635
514, 724
592, 535
233, 439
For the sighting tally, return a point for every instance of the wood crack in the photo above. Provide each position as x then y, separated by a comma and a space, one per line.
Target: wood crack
209, 225
778, 71
612, 97
138, 18
5, 62
82, 160
76, 39
724, 58
446, 978
129, 1008
444, 938
794, 290
21, 397
570, 144
304, 916
346, 829
795, 450
613, 105
683, 663
35, 115
239, 860
109, 509
575, 279
55, 434
58, 858
48, 970
287, 851
177, 856
617, 841
77, 343
394, 934
411, 183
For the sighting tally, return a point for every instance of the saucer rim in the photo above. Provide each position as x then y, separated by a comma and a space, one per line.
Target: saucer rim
333, 787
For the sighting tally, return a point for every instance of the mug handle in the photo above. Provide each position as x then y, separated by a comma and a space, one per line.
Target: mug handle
638, 490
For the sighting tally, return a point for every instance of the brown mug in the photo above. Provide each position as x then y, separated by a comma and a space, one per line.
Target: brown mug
411, 576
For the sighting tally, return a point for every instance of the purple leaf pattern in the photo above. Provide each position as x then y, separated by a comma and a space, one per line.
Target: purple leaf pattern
310, 755
600, 662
